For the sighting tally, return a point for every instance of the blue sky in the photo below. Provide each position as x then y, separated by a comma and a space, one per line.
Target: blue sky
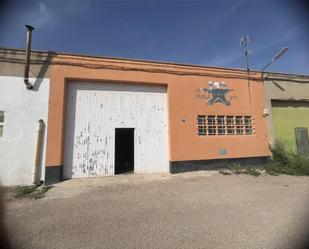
194, 32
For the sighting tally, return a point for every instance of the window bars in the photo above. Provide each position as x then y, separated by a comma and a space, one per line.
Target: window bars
212, 125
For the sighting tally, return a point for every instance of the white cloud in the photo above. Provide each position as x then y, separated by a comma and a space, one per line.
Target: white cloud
234, 8
39, 16
77, 6
47, 14
44, 16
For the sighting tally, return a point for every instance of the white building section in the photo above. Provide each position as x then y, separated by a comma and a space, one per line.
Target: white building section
22, 110
95, 110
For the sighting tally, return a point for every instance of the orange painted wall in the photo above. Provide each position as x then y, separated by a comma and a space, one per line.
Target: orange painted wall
183, 83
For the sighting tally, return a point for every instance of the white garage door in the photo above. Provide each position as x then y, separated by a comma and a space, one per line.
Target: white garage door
94, 112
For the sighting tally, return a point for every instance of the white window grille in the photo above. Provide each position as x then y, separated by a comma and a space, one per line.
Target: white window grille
210, 125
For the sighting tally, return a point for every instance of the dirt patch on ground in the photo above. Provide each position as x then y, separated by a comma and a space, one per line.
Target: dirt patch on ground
75, 187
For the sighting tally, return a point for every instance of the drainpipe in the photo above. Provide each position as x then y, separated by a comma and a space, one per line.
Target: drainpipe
38, 153
27, 61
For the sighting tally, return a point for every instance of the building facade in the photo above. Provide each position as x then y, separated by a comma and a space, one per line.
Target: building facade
89, 116
287, 101
21, 113
175, 117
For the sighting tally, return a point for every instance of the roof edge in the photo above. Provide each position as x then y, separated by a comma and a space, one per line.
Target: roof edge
155, 62
134, 60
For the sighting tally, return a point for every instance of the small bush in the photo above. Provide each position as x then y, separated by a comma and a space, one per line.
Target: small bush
286, 161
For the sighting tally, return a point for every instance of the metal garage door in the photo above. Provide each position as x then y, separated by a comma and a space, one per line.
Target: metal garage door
287, 116
94, 112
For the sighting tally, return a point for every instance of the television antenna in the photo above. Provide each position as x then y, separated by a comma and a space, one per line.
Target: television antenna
244, 41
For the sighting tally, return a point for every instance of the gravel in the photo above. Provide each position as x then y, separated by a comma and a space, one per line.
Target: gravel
191, 210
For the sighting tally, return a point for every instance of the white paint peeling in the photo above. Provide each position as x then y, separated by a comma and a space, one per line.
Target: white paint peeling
94, 110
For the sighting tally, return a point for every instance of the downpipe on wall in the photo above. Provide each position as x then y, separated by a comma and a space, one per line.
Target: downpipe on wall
28, 54
38, 153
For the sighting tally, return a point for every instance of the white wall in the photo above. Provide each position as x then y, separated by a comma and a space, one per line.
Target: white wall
94, 110
23, 109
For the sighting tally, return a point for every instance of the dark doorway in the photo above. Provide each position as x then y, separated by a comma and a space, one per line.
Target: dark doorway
124, 150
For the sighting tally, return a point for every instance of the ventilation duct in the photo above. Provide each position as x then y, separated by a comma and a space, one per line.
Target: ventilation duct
28, 54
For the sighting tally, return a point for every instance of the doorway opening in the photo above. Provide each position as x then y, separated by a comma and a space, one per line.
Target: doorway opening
124, 150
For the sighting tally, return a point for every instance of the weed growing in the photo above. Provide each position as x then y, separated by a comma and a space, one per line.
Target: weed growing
238, 170
225, 172
33, 192
286, 161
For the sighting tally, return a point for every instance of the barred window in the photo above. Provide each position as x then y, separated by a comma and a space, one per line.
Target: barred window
220, 120
211, 125
221, 125
230, 120
239, 120
211, 130
201, 125
211, 120
248, 125
239, 130
230, 125
224, 125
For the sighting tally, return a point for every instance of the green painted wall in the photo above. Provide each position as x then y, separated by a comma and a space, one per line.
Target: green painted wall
286, 116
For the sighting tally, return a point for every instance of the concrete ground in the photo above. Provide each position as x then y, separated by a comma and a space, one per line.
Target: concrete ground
192, 210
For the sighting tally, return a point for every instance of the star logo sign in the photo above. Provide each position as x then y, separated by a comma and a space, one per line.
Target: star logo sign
218, 90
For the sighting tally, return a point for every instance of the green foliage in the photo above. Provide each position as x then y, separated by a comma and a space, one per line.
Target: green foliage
286, 161
252, 171
30, 191
280, 153
22, 191
238, 169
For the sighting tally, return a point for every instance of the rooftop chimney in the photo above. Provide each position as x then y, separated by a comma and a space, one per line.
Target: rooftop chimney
28, 52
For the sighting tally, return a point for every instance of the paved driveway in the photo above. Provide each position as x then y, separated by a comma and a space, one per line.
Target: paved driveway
193, 210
